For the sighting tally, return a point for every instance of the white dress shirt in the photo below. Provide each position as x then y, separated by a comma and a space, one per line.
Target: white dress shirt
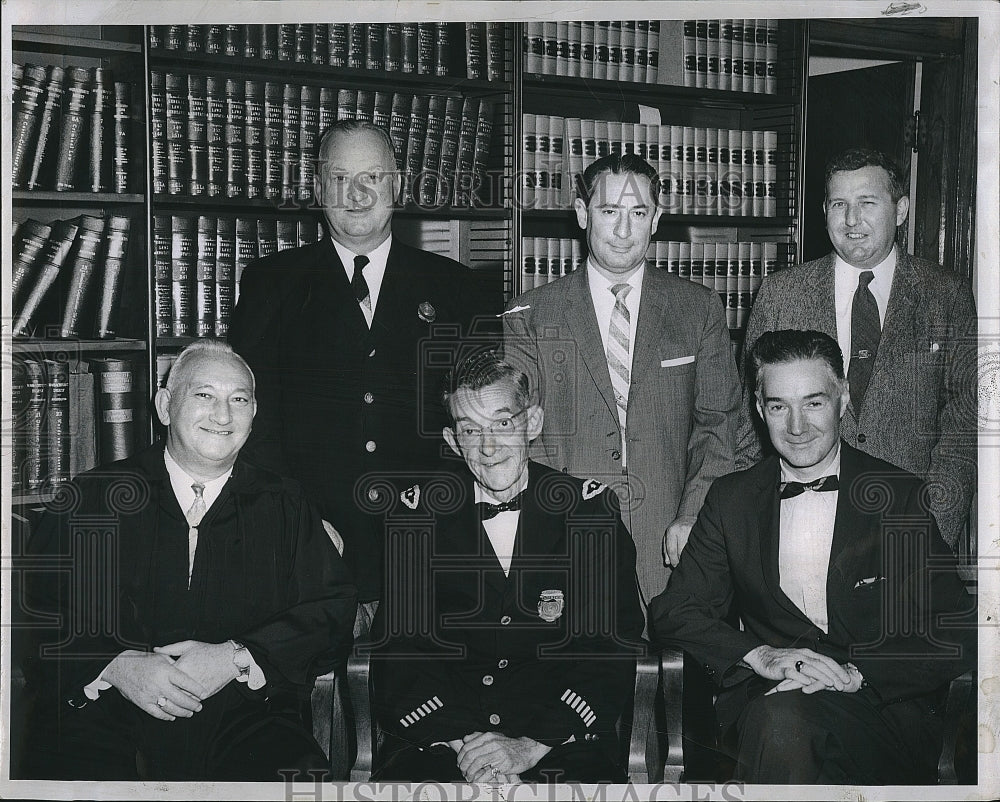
501, 529
845, 284
805, 538
374, 271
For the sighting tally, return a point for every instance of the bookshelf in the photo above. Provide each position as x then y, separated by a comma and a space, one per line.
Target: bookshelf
197, 213
672, 125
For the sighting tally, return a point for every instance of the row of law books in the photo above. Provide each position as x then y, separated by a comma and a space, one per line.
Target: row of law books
71, 129
236, 138
70, 416
198, 262
733, 269
702, 170
739, 55
66, 277
416, 48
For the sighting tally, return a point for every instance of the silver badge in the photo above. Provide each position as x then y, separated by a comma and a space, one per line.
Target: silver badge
550, 605
426, 312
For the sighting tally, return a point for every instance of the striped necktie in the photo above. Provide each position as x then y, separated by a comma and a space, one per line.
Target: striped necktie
866, 331
194, 515
619, 348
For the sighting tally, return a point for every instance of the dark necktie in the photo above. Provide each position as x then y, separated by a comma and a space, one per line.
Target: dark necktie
358, 283
792, 489
487, 510
866, 331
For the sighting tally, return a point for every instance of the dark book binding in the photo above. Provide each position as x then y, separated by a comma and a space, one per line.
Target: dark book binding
81, 270
122, 141
267, 236
273, 125
415, 146
197, 135
375, 47
291, 122
163, 274
33, 426
427, 187
337, 44
57, 433
408, 49
215, 135
225, 273
399, 124
116, 398
357, 36
393, 46
254, 137
235, 135
50, 261
464, 172
101, 107
158, 130
177, 144
308, 141
425, 48
474, 47
442, 48
109, 297
183, 253
287, 234
29, 244
204, 304
27, 113
72, 130
39, 175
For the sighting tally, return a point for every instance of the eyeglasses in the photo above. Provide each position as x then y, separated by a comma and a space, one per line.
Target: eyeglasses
500, 426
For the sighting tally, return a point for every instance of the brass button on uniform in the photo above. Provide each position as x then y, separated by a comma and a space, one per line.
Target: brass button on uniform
488, 679
494, 719
502, 664
369, 398
370, 446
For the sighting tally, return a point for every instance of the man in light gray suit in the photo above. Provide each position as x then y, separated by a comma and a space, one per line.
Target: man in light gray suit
633, 367
907, 326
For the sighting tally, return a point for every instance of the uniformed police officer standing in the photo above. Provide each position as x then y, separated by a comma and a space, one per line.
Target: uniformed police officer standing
510, 619
336, 333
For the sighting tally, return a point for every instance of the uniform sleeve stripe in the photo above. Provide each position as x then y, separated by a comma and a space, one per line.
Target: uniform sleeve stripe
590, 719
404, 722
565, 695
424, 709
438, 702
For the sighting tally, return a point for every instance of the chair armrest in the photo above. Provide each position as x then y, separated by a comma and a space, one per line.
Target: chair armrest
958, 705
322, 704
672, 685
643, 751
359, 691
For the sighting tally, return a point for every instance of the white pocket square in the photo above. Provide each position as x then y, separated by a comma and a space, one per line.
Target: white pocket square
680, 360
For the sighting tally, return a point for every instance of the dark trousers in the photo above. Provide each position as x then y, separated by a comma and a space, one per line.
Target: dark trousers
232, 738
835, 738
573, 762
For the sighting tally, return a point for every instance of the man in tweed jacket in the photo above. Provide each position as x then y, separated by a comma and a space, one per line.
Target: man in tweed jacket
919, 409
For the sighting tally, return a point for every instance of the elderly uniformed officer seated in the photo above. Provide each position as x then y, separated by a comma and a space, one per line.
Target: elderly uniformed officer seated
510, 619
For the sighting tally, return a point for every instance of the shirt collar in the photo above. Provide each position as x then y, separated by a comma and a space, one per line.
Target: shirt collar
179, 478
883, 271
829, 466
484, 495
599, 281
377, 256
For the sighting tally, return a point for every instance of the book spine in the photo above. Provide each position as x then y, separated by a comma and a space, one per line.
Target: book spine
194, 38
286, 233
449, 150
72, 129
286, 42
177, 146
115, 380
82, 264
495, 51
562, 48
357, 35
365, 109
464, 180
158, 130
232, 40
122, 142
57, 434
225, 273
308, 142
215, 135
484, 132
399, 123
82, 421
254, 137
290, 127
19, 409
43, 152
442, 48
236, 175
425, 48
183, 254
215, 40
269, 42
26, 119
432, 150
415, 146
337, 44
197, 135
252, 39
393, 47
375, 47
474, 46
382, 112
408, 47
204, 304
100, 110
347, 104
302, 52
27, 250
273, 126
319, 43
267, 236
109, 298
173, 37
33, 429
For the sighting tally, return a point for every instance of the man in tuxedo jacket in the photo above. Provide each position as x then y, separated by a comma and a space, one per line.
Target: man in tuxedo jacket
906, 327
185, 602
853, 614
510, 621
633, 367
338, 334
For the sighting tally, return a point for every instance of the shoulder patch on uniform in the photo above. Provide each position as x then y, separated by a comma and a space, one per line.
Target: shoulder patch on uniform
591, 488
411, 497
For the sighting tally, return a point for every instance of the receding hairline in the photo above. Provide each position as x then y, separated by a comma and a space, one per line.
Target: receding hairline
334, 133
194, 361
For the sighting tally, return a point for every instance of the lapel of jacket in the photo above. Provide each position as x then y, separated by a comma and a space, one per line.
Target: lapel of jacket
328, 286
850, 529
394, 296
897, 332
582, 322
769, 523
817, 304
653, 325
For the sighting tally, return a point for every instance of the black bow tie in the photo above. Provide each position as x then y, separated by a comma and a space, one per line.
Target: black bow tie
792, 489
487, 510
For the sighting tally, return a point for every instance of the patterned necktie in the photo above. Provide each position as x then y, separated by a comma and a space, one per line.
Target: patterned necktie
866, 331
194, 515
618, 350
358, 283
487, 510
793, 489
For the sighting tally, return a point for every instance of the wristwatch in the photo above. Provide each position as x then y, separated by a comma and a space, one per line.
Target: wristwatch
241, 659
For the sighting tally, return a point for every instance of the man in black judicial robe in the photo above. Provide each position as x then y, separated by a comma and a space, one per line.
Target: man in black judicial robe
193, 600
